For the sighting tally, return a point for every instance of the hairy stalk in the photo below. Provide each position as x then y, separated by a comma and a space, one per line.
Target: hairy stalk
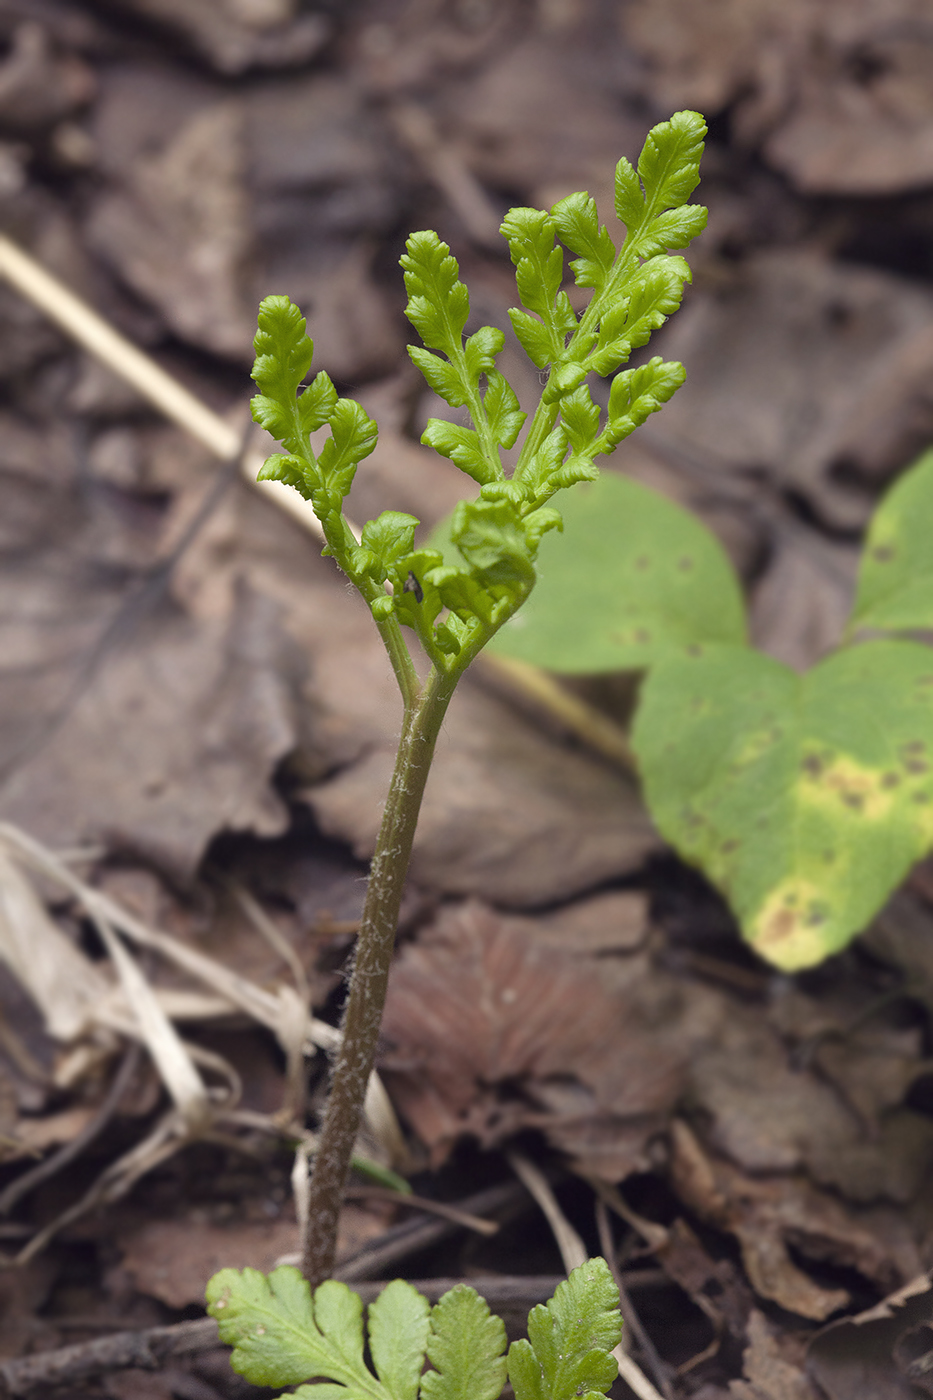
370, 976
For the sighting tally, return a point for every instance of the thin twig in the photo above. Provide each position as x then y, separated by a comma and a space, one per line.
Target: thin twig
423, 1203
135, 367
401, 1241
119, 354
655, 1236
295, 1101
626, 1306
584, 721
445, 167
573, 1251
51, 1165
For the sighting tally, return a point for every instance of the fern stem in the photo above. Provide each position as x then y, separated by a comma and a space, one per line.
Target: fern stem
369, 979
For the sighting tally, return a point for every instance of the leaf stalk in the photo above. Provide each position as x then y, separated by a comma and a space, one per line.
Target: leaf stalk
369, 980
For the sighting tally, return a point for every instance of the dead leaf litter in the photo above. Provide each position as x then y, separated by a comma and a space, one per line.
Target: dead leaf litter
197, 721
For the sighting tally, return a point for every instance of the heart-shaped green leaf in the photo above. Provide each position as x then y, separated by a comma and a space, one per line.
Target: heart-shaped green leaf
805, 799
895, 582
633, 577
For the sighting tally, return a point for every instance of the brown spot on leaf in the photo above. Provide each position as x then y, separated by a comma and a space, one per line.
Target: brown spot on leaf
685, 564
784, 930
861, 789
882, 553
779, 925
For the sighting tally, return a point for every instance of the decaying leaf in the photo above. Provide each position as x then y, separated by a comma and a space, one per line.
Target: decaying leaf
238, 34
769, 1116
178, 232
854, 347
489, 1032
882, 1354
770, 1214
838, 92
179, 697
715, 1285
171, 1259
769, 1375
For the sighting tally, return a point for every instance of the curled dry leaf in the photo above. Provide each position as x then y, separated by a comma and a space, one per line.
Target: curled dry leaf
489, 1031
881, 1354
770, 1214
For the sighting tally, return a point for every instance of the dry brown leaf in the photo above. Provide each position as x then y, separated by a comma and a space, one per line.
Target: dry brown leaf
806, 370
802, 603
172, 1259
715, 1285
861, 121
882, 1354
39, 85
179, 698
490, 1031
542, 117
238, 34
770, 1214
769, 1375
507, 814
767, 1115
853, 1041
178, 231
838, 92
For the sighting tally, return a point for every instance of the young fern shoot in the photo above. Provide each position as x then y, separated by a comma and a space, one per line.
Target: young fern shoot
454, 610
283, 1333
